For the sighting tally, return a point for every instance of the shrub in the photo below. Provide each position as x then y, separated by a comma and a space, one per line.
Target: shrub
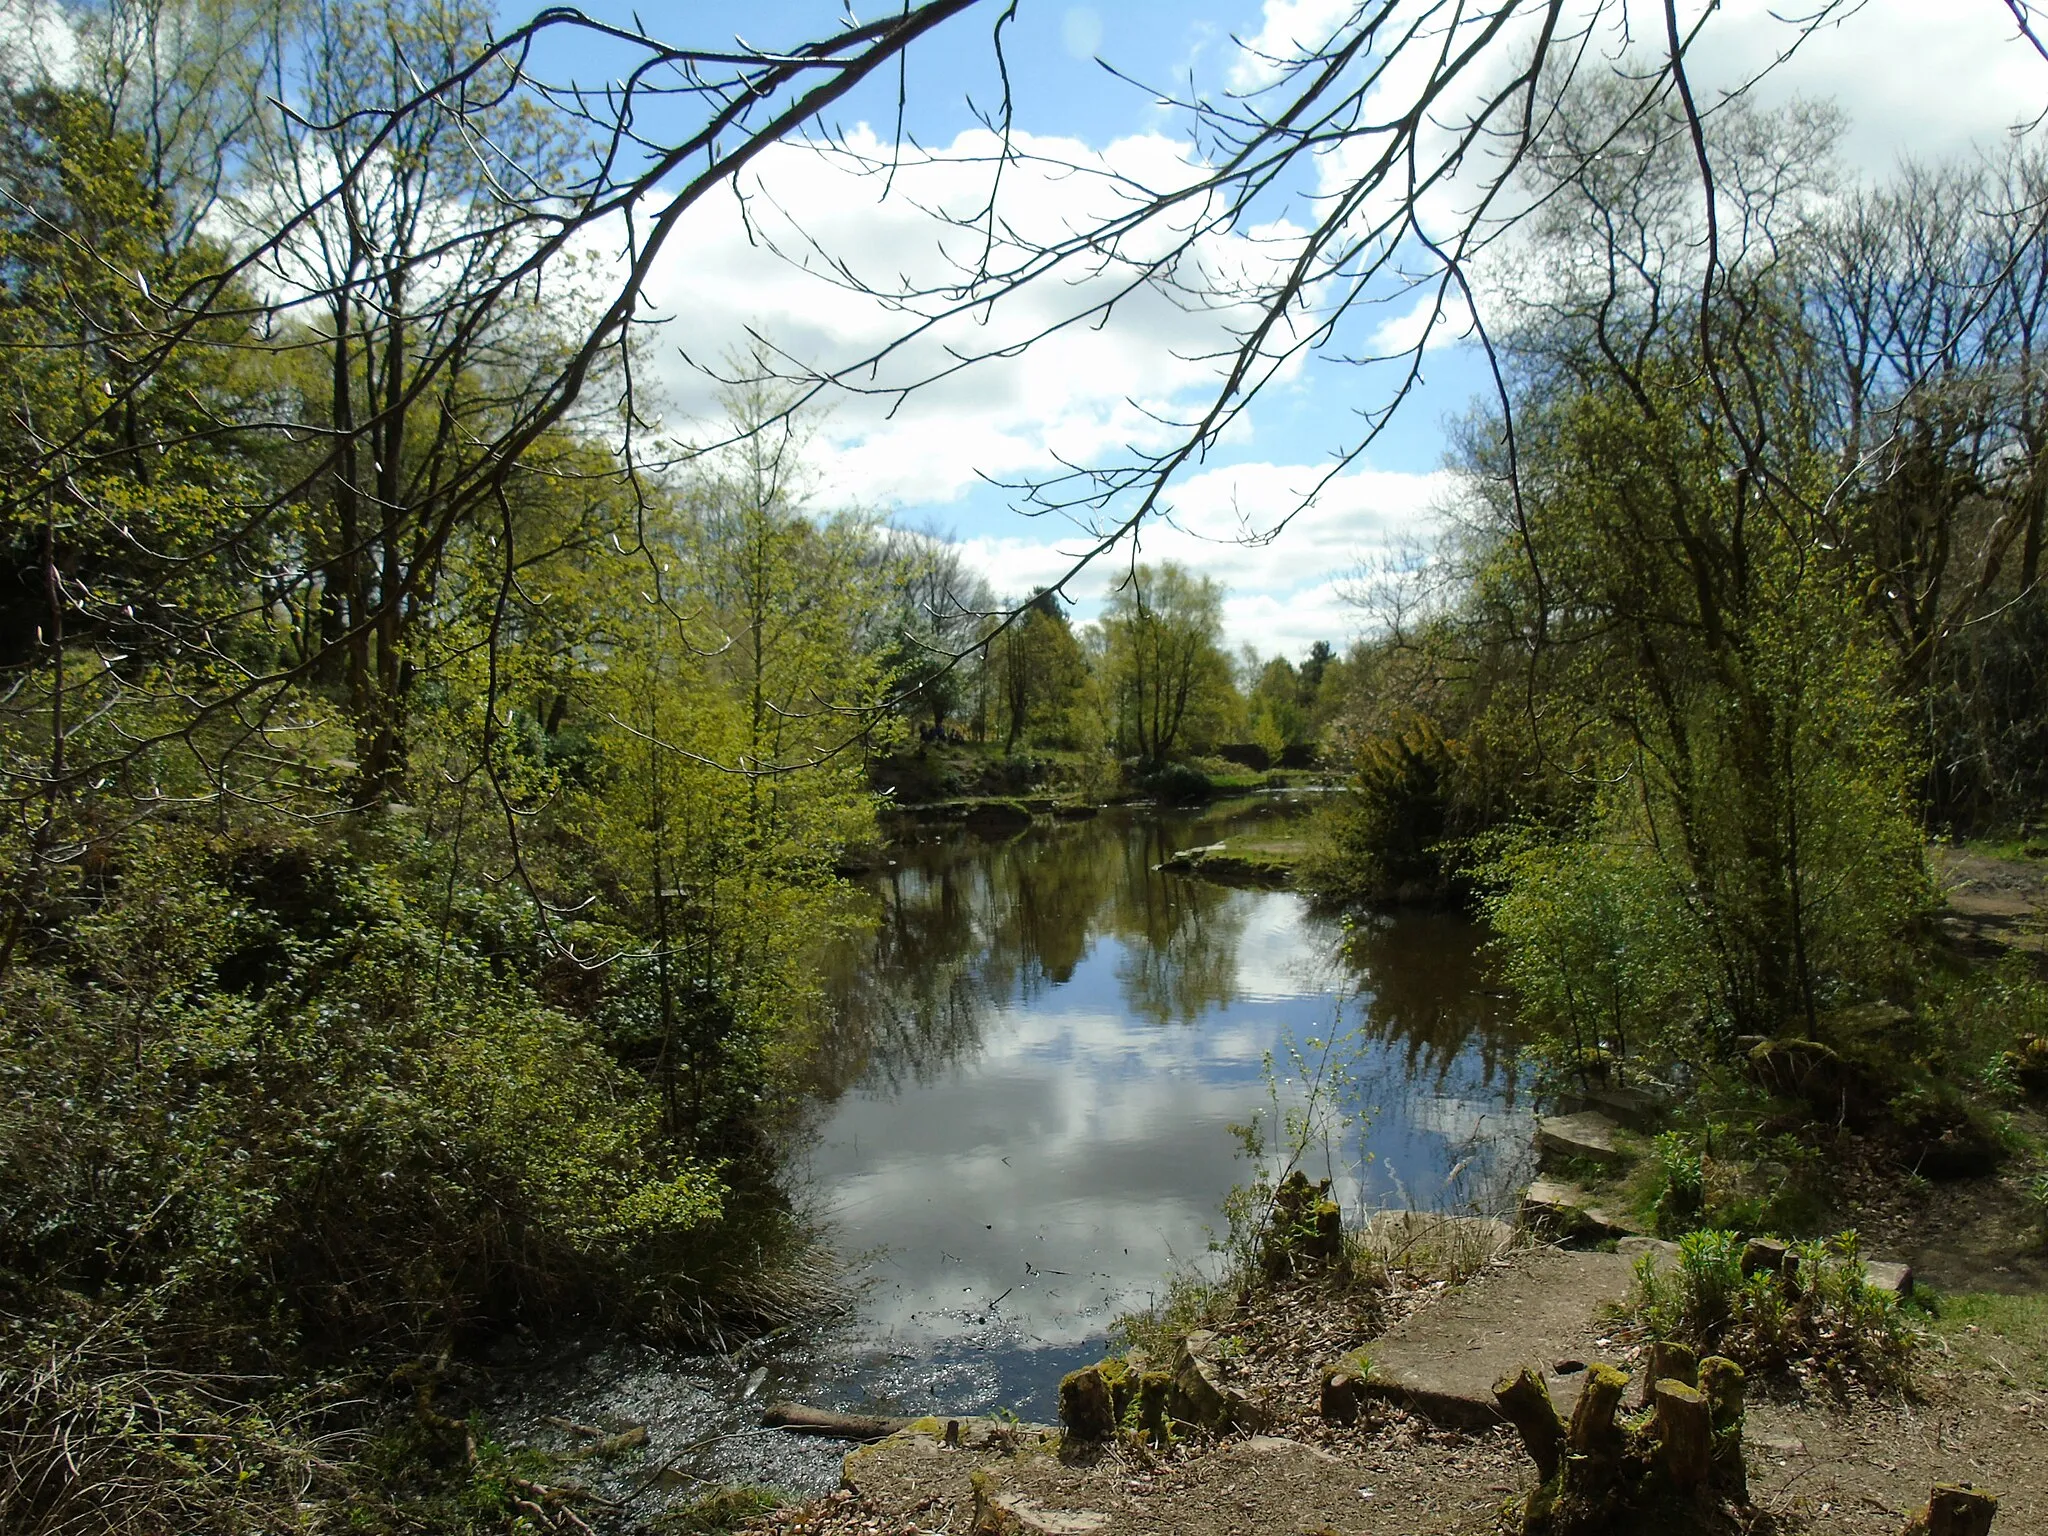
271, 1085
1822, 1309
1176, 784
1681, 1173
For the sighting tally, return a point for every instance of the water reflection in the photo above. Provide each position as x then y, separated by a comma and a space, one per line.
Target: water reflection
1025, 1109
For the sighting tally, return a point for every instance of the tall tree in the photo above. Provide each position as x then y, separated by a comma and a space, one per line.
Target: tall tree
1165, 672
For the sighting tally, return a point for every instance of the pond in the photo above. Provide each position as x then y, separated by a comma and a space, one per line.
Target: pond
1024, 1120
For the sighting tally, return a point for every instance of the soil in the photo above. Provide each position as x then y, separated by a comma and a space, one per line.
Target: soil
1994, 904
1981, 1234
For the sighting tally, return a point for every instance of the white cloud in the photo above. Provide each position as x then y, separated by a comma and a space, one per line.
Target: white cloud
1913, 79
1285, 592
1080, 392
1290, 29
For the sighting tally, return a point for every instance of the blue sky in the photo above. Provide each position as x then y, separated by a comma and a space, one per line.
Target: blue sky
1913, 78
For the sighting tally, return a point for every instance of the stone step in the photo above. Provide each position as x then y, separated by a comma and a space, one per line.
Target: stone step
1587, 1135
1543, 1309
1563, 1208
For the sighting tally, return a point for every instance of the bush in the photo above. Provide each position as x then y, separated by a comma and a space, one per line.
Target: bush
1392, 834
1821, 1310
1176, 784
265, 1083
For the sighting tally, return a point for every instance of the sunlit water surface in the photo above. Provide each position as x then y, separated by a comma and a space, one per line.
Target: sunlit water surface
1024, 1121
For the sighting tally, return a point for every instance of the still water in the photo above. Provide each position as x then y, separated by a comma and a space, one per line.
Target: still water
1023, 1122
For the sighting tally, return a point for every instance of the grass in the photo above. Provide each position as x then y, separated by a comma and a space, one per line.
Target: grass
2006, 1336
718, 1512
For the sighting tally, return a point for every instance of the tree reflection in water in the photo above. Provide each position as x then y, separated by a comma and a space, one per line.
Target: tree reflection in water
971, 923
1024, 1108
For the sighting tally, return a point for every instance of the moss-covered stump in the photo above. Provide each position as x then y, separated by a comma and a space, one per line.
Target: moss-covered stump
1088, 1403
1344, 1394
1307, 1227
1686, 1446
1200, 1397
1111, 1395
1954, 1509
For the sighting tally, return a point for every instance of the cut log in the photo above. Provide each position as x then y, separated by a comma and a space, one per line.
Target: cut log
1525, 1403
1685, 1434
800, 1420
1671, 1362
1087, 1405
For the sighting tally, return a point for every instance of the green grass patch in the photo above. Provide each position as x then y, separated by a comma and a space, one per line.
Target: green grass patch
2006, 1336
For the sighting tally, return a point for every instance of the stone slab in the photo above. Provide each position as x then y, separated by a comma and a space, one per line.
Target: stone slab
1542, 1309
1633, 1248
1567, 1210
1588, 1135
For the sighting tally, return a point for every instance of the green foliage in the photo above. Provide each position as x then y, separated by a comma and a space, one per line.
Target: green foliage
1681, 1175
1598, 943
1822, 1311
289, 1088
1392, 836
1165, 681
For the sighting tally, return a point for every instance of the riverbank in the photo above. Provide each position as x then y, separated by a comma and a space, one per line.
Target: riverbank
1817, 1460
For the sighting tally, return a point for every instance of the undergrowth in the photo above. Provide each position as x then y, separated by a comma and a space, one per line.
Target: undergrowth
1821, 1309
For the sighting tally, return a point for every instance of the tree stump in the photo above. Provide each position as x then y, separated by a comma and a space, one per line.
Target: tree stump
1684, 1427
1525, 1403
1954, 1509
1593, 1431
1087, 1405
1669, 1362
1722, 1382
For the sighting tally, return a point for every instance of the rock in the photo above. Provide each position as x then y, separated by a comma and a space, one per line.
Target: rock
1893, 1278
1201, 1397
1781, 1446
1662, 1254
1636, 1108
1764, 1256
1797, 1069
1588, 1135
1567, 1210
1017, 1514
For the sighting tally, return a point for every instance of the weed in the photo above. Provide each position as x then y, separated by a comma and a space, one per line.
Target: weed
1681, 1170
2037, 1197
1822, 1309
718, 1512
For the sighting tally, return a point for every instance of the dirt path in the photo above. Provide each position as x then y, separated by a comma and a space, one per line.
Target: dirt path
1993, 904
